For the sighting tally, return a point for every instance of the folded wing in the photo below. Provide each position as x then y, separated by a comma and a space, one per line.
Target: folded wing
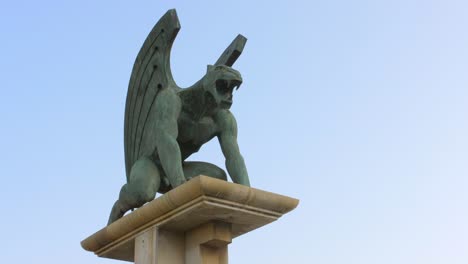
151, 73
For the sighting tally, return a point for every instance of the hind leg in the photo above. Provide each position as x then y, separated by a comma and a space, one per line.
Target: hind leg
141, 188
195, 168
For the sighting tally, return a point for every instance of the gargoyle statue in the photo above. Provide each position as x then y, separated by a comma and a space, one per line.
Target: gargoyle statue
165, 124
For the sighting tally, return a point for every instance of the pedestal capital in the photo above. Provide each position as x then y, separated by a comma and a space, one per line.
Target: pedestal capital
201, 201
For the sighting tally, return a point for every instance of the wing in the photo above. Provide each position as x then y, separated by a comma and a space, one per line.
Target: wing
151, 73
232, 52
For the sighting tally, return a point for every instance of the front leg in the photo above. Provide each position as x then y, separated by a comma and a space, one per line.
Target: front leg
227, 137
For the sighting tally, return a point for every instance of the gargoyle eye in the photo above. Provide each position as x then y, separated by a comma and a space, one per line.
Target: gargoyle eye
222, 86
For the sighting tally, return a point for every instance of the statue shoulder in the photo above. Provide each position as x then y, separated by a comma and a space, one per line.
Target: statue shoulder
225, 120
168, 99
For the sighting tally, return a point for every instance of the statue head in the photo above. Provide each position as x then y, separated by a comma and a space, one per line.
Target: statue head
219, 83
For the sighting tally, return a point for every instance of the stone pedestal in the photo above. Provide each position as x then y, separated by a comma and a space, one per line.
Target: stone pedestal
192, 224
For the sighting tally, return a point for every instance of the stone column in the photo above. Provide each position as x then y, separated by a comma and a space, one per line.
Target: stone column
192, 224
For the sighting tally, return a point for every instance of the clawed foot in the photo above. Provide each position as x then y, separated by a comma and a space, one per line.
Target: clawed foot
116, 213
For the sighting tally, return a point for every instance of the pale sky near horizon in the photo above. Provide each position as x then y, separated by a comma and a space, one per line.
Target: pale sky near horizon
357, 108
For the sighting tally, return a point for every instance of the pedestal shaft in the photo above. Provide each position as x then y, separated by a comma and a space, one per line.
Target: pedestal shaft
205, 244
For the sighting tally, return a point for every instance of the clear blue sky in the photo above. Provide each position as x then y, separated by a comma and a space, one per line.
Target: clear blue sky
357, 108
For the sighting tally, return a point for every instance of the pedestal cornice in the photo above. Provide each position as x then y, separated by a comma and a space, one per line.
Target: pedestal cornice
197, 202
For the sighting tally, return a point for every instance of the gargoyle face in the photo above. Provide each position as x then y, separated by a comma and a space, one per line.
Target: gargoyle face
219, 84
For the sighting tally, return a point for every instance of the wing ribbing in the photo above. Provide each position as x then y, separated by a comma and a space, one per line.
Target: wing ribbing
151, 72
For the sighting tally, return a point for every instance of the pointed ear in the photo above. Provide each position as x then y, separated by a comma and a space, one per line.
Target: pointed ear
209, 68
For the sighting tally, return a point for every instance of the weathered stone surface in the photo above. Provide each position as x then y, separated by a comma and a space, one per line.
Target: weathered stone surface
202, 201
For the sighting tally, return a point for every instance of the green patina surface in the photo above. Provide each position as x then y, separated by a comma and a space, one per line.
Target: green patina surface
165, 124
